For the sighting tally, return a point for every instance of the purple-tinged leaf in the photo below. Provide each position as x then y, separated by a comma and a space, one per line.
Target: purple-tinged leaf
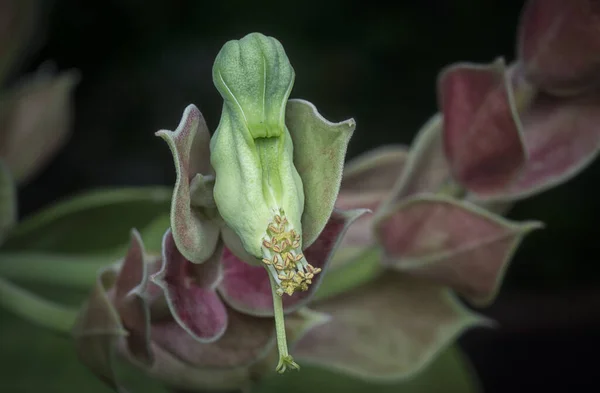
130, 301
562, 138
195, 235
451, 243
426, 168
375, 170
190, 292
482, 132
319, 152
559, 45
388, 329
247, 288
98, 330
245, 341
360, 234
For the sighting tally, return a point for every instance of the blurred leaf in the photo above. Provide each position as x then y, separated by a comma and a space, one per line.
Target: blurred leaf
94, 222
8, 201
36, 360
35, 121
450, 372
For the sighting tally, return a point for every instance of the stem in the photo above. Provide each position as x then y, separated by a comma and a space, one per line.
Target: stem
285, 359
61, 270
353, 274
35, 309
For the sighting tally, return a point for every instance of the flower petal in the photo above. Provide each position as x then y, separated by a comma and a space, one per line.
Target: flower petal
451, 243
245, 341
375, 170
196, 236
98, 330
319, 153
247, 288
562, 137
8, 201
559, 45
482, 131
37, 123
189, 291
386, 330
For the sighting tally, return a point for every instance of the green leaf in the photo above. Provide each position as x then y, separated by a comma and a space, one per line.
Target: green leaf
195, 235
97, 222
36, 360
386, 330
449, 372
319, 154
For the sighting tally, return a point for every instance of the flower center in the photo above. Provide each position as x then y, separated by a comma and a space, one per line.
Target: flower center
283, 258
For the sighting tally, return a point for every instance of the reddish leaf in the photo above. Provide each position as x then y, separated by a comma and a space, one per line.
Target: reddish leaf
562, 137
190, 294
559, 44
452, 243
375, 170
482, 132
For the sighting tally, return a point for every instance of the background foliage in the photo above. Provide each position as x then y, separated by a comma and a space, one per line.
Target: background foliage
143, 62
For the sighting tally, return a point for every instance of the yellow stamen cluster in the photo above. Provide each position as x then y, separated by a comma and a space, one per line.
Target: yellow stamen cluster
286, 261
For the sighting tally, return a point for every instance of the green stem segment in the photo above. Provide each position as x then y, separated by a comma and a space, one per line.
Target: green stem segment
285, 359
35, 309
62, 270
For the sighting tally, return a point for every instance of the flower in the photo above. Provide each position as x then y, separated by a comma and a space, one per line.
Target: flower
269, 194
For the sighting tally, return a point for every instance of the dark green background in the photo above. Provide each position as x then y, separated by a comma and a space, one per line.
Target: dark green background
142, 62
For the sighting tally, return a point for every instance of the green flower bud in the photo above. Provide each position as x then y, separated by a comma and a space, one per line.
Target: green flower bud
258, 190
256, 184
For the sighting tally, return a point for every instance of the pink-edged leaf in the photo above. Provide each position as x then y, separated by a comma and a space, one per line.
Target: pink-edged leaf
559, 45
360, 234
130, 301
195, 235
98, 330
385, 330
190, 292
451, 243
562, 137
245, 341
482, 132
181, 376
426, 168
375, 170
247, 288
